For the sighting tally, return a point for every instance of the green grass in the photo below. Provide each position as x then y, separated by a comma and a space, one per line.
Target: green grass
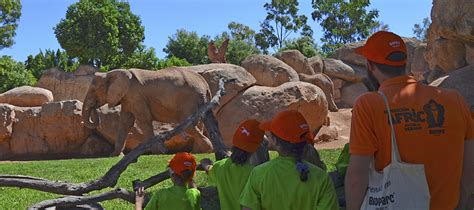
80, 170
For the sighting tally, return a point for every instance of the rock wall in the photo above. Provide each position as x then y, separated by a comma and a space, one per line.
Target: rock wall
450, 49
451, 35
55, 129
67, 85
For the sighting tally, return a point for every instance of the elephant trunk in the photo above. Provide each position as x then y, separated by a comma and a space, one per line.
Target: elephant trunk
89, 114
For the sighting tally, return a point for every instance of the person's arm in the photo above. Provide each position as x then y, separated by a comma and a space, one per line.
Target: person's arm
328, 196
467, 178
205, 164
139, 198
357, 180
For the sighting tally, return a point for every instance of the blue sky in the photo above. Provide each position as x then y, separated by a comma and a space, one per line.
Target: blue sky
162, 18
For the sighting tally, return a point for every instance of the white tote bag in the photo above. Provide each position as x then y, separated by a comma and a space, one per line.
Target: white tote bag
400, 185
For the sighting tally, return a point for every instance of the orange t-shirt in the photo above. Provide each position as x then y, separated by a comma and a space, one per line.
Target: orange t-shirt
431, 125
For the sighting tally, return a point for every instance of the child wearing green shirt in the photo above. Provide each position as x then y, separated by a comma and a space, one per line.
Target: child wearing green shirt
288, 182
230, 174
183, 194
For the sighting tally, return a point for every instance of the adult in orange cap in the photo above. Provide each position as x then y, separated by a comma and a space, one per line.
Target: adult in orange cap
183, 194
230, 174
288, 182
432, 127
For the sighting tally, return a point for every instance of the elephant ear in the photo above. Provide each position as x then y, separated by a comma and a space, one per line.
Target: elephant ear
118, 82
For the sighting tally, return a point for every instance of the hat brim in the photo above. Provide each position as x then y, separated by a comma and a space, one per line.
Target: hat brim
266, 126
360, 50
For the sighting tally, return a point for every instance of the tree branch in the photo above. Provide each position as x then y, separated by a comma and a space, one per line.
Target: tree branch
78, 200
111, 177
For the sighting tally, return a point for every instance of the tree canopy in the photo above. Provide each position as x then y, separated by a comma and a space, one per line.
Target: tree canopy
10, 12
50, 59
421, 29
187, 45
343, 21
100, 32
13, 74
282, 20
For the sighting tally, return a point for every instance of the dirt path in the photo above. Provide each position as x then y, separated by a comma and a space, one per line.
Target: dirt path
342, 121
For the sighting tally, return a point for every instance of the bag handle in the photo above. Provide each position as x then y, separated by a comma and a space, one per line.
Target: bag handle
395, 153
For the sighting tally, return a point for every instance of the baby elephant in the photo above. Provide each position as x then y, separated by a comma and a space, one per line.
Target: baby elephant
169, 95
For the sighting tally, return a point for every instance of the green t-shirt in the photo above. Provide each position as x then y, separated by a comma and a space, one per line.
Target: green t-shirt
276, 185
175, 197
230, 180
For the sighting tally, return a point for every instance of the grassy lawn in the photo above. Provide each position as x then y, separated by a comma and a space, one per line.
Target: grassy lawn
80, 170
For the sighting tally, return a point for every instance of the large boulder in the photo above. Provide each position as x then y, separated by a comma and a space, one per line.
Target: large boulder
269, 71
461, 80
296, 60
240, 79
450, 34
262, 103
419, 67
446, 54
350, 92
347, 54
67, 85
325, 83
338, 69
7, 117
53, 130
316, 62
26, 96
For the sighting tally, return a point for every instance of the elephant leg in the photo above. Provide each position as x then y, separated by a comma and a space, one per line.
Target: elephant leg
201, 142
126, 123
146, 127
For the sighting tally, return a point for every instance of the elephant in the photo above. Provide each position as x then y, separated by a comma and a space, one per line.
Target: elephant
325, 83
169, 95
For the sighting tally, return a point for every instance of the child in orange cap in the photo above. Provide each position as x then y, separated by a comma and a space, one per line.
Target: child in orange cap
230, 174
183, 194
288, 182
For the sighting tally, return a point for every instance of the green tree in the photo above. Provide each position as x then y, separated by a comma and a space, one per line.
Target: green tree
241, 42
170, 62
99, 32
13, 74
282, 20
10, 12
189, 46
421, 29
50, 59
239, 31
343, 21
379, 26
304, 44
142, 58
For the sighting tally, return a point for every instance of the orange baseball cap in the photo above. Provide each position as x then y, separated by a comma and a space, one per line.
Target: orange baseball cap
289, 126
183, 161
248, 136
382, 44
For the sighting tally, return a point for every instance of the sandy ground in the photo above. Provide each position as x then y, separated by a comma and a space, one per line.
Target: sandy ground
342, 121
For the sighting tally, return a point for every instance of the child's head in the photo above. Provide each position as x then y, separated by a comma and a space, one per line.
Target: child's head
247, 139
291, 133
182, 168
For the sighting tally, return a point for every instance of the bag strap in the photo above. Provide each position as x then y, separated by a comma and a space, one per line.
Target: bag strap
395, 153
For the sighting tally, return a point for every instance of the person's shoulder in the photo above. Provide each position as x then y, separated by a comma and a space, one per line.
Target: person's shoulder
221, 162
193, 191
365, 99
442, 93
263, 167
